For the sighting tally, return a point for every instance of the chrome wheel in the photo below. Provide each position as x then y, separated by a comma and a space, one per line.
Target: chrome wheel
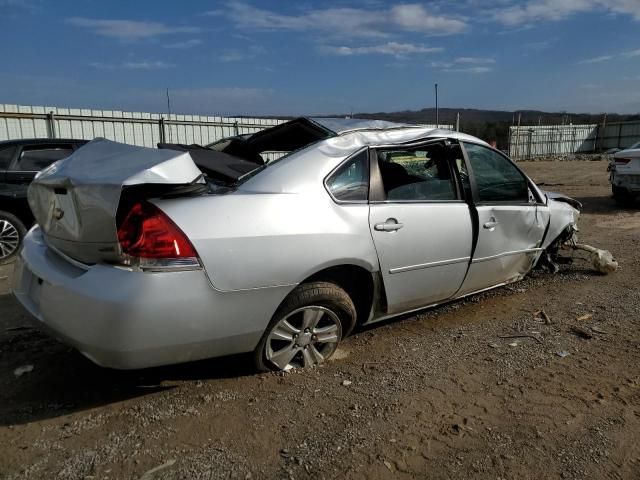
305, 337
9, 239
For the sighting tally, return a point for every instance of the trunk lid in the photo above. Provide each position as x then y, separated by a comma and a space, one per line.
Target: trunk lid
75, 201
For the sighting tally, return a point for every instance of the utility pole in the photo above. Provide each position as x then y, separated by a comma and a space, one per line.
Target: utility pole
437, 111
458, 122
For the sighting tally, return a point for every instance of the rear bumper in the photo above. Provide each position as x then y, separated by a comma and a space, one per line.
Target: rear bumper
124, 319
628, 181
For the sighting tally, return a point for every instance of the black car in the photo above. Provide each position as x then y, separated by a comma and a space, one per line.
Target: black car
20, 160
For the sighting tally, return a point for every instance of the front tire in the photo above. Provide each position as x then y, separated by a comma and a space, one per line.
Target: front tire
12, 232
307, 328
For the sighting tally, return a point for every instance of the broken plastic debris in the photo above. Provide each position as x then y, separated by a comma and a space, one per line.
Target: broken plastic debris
18, 372
586, 316
346, 383
602, 260
514, 344
563, 353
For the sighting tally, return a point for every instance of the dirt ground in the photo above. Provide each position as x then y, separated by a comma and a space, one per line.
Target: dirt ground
435, 395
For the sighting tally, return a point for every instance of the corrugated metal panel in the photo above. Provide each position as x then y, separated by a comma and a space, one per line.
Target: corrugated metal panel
619, 135
538, 141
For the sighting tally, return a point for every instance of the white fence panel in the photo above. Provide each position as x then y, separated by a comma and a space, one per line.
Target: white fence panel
136, 128
548, 140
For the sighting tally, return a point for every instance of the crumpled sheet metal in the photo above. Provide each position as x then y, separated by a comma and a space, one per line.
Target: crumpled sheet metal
92, 179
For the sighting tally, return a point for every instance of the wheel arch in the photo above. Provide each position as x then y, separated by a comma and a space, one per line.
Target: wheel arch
359, 283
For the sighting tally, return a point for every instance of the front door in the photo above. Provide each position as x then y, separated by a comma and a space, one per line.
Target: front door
511, 222
420, 225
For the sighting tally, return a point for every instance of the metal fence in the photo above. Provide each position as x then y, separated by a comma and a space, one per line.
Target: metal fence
135, 128
617, 135
548, 140
527, 142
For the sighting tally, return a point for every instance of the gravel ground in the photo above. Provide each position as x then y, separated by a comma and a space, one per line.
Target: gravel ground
435, 395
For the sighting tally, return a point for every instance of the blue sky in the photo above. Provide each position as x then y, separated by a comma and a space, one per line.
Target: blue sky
335, 56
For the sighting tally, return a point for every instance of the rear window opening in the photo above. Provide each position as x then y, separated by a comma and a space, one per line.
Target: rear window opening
227, 161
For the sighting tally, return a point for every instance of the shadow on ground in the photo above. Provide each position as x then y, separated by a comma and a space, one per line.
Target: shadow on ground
605, 205
63, 381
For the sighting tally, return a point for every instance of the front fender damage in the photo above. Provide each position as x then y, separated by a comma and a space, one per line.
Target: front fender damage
562, 237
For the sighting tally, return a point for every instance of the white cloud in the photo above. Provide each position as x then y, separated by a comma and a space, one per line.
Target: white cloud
128, 29
194, 42
474, 65
474, 70
141, 65
415, 18
395, 49
555, 10
475, 60
242, 55
600, 59
606, 58
346, 22
14, 7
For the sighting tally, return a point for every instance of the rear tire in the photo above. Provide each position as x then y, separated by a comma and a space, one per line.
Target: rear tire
12, 232
622, 196
306, 328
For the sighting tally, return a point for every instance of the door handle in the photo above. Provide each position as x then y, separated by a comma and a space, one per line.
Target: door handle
490, 225
391, 225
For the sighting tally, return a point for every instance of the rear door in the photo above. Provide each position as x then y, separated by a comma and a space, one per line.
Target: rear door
511, 221
420, 224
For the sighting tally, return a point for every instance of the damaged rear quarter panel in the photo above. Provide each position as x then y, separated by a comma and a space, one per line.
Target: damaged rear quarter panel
257, 240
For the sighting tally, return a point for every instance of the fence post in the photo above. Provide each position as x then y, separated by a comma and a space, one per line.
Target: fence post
235, 128
604, 131
161, 130
51, 125
517, 156
619, 135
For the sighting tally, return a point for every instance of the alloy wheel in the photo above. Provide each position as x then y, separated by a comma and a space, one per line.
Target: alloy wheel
305, 337
9, 239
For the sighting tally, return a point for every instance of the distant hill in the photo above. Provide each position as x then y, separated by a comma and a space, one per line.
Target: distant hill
493, 124
471, 115
490, 125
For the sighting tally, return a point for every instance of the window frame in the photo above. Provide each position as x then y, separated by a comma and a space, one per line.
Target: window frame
11, 158
335, 170
474, 186
13, 167
377, 194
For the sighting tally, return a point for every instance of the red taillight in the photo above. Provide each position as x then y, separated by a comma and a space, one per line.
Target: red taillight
622, 161
149, 233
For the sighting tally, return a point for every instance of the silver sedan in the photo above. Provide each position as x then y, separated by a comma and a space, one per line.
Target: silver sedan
145, 257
